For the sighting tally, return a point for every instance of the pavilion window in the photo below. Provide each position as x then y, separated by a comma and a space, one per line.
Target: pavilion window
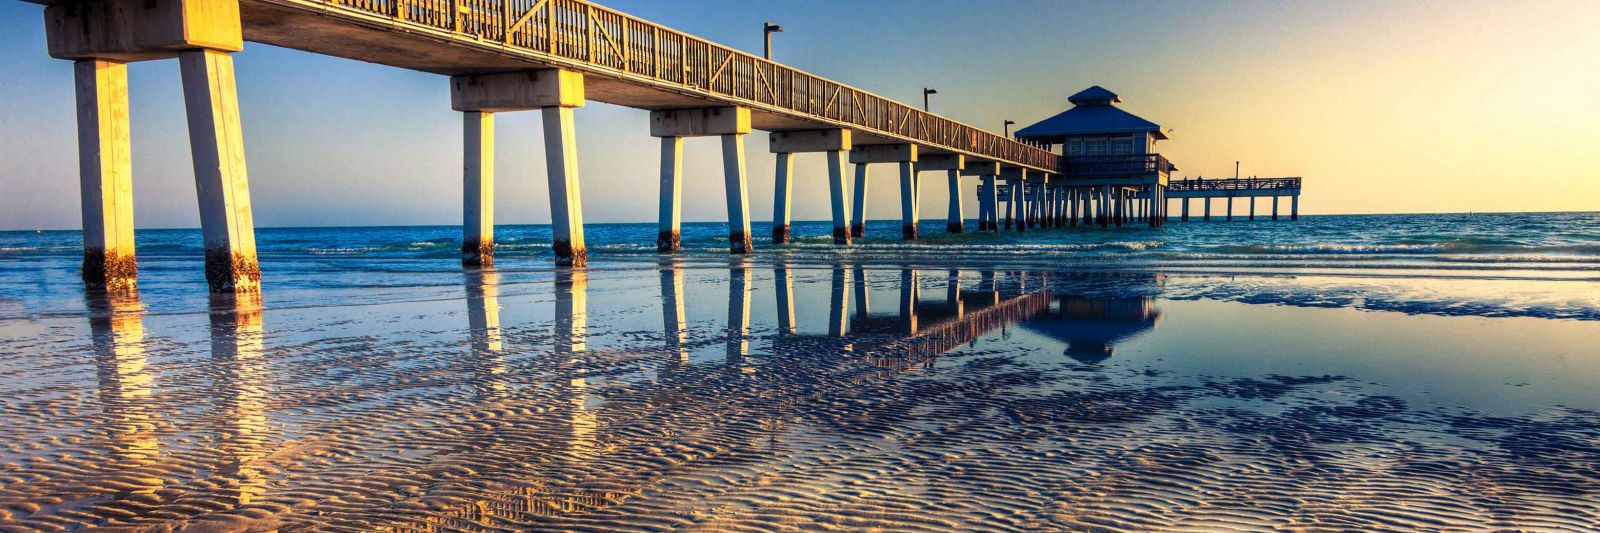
1094, 147
1121, 146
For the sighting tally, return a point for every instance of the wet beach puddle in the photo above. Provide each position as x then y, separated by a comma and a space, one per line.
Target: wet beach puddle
796, 398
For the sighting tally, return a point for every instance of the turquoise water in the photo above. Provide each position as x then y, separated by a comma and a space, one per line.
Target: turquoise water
1516, 264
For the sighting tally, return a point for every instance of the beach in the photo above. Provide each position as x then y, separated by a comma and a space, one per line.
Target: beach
1395, 372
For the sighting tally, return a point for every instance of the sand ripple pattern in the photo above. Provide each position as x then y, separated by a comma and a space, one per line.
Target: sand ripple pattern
319, 429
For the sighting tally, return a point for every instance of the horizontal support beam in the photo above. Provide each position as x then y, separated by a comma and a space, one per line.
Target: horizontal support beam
981, 168
517, 91
792, 142
941, 162
883, 153
1014, 173
134, 30
702, 122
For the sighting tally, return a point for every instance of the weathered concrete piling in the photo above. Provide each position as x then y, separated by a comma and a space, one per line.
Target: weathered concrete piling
833, 144
555, 93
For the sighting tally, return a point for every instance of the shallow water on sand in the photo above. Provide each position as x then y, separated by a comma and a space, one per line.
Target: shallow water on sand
796, 393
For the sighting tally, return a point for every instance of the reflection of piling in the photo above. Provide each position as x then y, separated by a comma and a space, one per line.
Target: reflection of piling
483, 326
953, 292
572, 310
783, 277
116, 325
673, 324
738, 312
910, 293
236, 348
839, 303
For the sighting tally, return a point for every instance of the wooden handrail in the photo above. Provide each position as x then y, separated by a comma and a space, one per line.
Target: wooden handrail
609, 40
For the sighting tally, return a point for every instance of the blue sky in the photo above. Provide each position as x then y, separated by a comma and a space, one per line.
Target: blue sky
1357, 97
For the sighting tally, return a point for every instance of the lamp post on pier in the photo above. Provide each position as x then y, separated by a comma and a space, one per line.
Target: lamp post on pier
767, 30
925, 92
1007, 128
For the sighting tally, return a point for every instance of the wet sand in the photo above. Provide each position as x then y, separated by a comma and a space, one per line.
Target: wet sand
805, 397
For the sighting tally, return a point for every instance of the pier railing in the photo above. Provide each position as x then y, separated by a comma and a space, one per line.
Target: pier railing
601, 38
1115, 165
1234, 184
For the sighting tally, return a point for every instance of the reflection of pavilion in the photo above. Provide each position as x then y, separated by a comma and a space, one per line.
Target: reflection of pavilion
1091, 327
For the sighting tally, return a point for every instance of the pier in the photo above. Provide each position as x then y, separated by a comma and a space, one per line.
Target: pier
554, 56
1250, 188
500, 56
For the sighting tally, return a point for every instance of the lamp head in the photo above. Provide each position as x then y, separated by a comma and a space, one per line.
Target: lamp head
772, 28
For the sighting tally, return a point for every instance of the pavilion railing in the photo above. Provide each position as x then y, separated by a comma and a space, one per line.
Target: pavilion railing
601, 38
1114, 165
1234, 184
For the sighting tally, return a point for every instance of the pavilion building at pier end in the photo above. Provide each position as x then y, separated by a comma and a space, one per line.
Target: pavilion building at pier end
1109, 160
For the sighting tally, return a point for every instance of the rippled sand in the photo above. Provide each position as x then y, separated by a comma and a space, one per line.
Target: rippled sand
716, 400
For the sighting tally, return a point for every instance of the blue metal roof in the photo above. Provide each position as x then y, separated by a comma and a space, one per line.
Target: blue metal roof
1094, 93
1090, 119
1088, 116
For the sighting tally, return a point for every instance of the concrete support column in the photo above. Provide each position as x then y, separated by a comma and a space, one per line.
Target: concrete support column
477, 199
1103, 209
566, 199
738, 202
1207, 201
1185, 210
983, 205
105, 176
956, 221
1274, 208
555, 93
834, 144
1072, 207
1019, 204
217, 147
859, 226
1294, 207
1230, 208
1152, 206
781, 187
908, 200
669, 225
1036, 206
836, 195
991, 200
1252, 208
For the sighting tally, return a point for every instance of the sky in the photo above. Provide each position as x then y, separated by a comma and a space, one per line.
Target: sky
1383, 107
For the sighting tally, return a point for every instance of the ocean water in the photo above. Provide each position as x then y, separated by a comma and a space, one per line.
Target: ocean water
1518, 264
1364, 373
